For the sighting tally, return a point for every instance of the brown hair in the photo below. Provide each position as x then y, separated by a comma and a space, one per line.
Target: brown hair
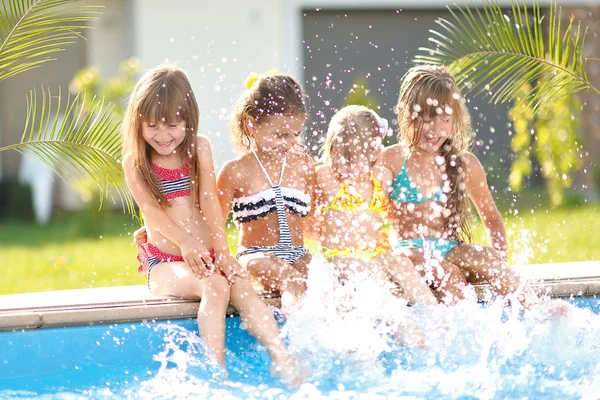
162, 94
427, 91
346, 125
270, 95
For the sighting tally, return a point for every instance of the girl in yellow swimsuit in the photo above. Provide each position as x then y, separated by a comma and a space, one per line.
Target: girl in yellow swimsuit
351, 203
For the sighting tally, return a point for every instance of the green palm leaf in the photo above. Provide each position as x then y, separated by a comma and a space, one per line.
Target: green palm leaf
88, 142
31, 31
494, 54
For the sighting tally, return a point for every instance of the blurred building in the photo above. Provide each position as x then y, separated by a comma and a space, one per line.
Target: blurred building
327, 44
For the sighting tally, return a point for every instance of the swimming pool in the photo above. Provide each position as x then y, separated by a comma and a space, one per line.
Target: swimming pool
480, 353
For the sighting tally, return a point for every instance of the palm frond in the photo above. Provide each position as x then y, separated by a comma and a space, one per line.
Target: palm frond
72, 141
31, 31
491, 54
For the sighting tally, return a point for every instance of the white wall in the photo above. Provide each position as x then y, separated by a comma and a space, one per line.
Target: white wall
218, 44
110, 42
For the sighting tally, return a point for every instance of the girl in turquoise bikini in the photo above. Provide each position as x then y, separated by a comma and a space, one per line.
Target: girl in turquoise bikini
431, 177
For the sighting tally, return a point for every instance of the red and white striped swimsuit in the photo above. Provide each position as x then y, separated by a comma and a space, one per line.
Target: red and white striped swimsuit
174, 182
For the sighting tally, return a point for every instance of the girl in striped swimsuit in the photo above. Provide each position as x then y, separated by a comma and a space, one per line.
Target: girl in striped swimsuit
269, 187
169, 170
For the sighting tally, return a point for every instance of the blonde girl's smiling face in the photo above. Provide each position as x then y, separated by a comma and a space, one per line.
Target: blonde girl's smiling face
164, 137
278, 134
435, 129
356, 155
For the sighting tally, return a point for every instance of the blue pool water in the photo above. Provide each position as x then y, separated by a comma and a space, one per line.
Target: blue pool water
478, 353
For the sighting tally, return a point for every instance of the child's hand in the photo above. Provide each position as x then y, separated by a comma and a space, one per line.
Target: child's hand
140, 236
198, 258
229, 266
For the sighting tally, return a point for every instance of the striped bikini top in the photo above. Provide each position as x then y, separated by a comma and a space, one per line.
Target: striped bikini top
259, 205
174, 182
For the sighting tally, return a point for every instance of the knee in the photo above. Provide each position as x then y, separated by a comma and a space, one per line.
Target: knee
456, 275
217, 288
397, 265
241, 288
493, 260
269, 268
404, 263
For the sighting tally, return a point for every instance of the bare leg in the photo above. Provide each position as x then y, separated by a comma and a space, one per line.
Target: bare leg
177, 279
261, 324
274, 274
448, 279
402, 271
486, 263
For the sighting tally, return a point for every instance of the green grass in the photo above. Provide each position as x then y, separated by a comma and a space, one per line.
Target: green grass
66, 255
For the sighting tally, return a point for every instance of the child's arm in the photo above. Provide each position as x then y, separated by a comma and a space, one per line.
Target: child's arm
387, 166
211, 210
313, 190
315, 220
226, 187
481, 197
194, 253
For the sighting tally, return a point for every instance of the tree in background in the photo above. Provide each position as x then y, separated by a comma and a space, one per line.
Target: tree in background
90, 83
359, 95
551, 138
76, 137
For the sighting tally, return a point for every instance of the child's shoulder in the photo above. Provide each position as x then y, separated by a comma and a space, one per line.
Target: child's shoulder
391, 157
395, 150
203, 143
323, 171
475, 173
471, 161
127, 160
324, 177
302, 158
237, 163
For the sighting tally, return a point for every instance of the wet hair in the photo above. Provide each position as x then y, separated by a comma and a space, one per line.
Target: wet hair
269, 96
348, 125
163, 94
426, 92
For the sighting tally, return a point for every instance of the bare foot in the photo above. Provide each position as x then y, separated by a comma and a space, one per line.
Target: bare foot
289, 303
554, 308
289, 372
410, 335
524, 297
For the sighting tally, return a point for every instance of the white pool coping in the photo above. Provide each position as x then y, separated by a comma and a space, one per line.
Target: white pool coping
135, 303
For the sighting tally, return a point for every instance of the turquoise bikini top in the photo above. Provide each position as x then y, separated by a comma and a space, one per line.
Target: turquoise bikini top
405, 191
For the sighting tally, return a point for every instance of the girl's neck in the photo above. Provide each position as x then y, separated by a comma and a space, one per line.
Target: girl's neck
352, 177
173, 160
419, 153
268, 158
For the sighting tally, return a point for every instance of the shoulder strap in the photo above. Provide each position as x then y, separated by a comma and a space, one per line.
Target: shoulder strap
265, 171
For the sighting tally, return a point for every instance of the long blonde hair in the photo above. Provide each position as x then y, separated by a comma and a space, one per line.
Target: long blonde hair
347, 125
162, 94
270, 95
427, 91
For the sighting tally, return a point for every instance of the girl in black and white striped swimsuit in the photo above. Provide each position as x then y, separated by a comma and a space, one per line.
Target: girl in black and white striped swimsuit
270, 179
279, 199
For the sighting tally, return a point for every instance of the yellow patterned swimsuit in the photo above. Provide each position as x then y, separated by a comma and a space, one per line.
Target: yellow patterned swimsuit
345, 200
